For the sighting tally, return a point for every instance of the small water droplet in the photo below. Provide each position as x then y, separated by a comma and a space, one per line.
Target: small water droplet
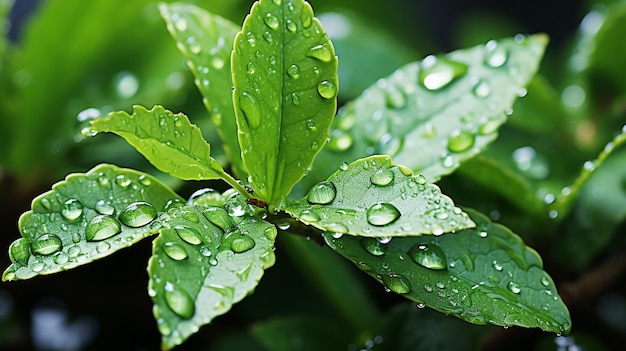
37, 266
343, 166
19, 251
72, 210
138, 214
323, 193
145, 180
382, 177
61, 258
481, 89
545, 281
320, 52
179, 301
190, 216
188, 235
495, 55
219, 217
103, 246
438, 72
429, 256
291, 26
382, 213
327, 89
337, 228
242, 243
46, 244
309, 216
497, 266
373, 246
102, 227
294, 71
271, 21
460, 140
174, 203
489, 126
268, 37
250, 68
175, 251
397, 283
122, 181
514, 287
250, 108
395, 98
295, 99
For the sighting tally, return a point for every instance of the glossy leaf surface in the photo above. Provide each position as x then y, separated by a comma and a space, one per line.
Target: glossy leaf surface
87, 217
206, 41
169, 141
205, 260
482, 275
432, 115
285, 78
372, 197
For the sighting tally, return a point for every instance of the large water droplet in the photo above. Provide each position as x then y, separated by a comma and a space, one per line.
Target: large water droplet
382, 177
438, 72
219, 217
294, 71
138, 214
19, 251
481, 89
309, 216
291, 26
397, 283
327, 89
460, 140
382, 213
337, 228
495, 55
373, 246
102, 227
320, 52
175, 251
72, 210
429, 256
251, 110
46, 244
323, 193
179, 301
242, 243
104, 208
188, 235
271, 21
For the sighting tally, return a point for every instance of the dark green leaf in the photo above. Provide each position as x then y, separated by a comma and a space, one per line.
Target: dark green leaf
433, 115
300, 334
206, 40
482, 275
372, 197
87, 217
205, 260
169, 141
285, 78
608, 54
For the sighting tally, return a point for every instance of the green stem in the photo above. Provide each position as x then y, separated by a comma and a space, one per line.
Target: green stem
236, 185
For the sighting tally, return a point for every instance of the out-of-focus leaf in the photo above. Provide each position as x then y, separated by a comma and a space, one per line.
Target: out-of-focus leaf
206, 40
285, 78
482, 275
374, 198
606, 60
205, 260
87, 217
430, 116
169, 141
300, 334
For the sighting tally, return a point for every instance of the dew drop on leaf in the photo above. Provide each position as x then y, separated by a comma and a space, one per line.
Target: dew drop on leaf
188, 235
373, 246
514, 287
337, 228
323, 193
72, 210
481, 89
122, 181
46, 244
175, 251
428, 256
271, 21
102, 227
382, 177
397, 283
495, 55
19, 251
190, 216
382, 213
309, 216
104, 208
103, 246
489, 126
460, 140
61, 258
219, 217
291, 26
326, 89
251, 110
294, 71
436, 72
320, 52
242, 244
138, 214
179, 301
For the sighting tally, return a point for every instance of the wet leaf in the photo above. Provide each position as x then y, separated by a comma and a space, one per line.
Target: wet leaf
300, 333
205, 260
372, 197
169, 141
482, 275
206, 41
285, 78
87, 217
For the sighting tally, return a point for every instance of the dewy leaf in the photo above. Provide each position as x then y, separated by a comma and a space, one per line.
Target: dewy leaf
205, 260
372, 197
482, 275
206, 40
432, 115
285, 78
169, 141
87, 217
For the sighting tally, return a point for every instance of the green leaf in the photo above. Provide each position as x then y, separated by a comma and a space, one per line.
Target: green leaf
432, 115
285, 78
606, 59
482, 275
205, 260
206, 41
300, 333
169, 141
87, 217
372, 197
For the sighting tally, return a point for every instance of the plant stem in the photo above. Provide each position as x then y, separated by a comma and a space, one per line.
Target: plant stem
236, 185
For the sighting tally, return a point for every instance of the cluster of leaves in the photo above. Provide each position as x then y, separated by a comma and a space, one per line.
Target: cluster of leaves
432, 117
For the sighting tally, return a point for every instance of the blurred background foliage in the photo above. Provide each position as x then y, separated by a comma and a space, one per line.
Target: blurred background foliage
64, 62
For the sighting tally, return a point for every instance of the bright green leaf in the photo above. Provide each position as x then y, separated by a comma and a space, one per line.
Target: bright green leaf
300, 333
206, 40
433, 115
482, 275
169, 141
285, 78
87, 217
372, 197
205, 260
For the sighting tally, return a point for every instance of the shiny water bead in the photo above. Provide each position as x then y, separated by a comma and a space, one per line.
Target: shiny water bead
219, 217
188, 235
429, 256
19, 251
46, 244
72, 210
138, 214
175, 251
397, 283
382, 177
102, 227
373, 246
179, 301
323, 193
382, 213
242, 243
438, 72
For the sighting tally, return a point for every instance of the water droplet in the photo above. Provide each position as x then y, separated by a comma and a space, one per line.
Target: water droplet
37, 266
19, 251
188, 235
530, 163
175, 251
190, 216
103, 246
395, 98
268, 37
326, 89
242, 243
180, 23
308, 216
481, 89
323, 193
122, 181
291, 26
382, 177
460, 140
46, 244
294, 71
61, 258
174, 203
102, 227
429, 256
397, 283
495, 55
320, 52
343, 166
138, 214
337, 228
497, 266
306, 19
219, 217
250, 68
295, 99
382, 213
339, 141
438, 72
545, 281
250, 108
271, 21
179, 301
514, 287
373, 246
489, 126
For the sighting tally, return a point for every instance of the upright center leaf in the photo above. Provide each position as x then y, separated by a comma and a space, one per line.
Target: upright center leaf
285, 78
